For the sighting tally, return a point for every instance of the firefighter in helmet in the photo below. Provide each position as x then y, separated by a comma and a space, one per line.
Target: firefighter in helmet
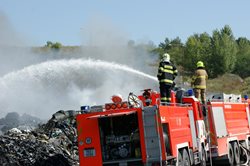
166, 75
199, 81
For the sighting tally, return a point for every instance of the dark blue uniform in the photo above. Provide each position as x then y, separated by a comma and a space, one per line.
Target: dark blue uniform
166, 75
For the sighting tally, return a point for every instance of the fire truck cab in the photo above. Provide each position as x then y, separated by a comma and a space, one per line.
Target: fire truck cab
141, 131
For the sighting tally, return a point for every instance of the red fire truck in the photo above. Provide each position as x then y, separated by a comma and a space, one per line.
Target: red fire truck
143, 131
229, 128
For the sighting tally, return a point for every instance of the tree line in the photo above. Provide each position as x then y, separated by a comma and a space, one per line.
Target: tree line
220, 52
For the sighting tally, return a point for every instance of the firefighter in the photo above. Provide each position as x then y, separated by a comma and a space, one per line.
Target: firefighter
199, 81
166, 75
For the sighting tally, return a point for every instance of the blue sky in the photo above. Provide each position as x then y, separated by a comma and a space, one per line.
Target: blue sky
62, 20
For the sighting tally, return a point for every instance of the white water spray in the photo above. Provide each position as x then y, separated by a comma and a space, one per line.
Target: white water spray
66, 84
76, 64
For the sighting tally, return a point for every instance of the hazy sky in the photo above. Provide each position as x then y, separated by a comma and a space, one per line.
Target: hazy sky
64, 21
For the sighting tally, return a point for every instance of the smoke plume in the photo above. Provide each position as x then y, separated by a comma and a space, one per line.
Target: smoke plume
43, 83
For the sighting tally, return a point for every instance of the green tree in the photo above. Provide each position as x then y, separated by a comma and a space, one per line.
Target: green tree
243, 58
206, 52
162, 48
52, 45
56, 45
165, 45
176, 51
224, 51
175, 48
48, 44
198, 48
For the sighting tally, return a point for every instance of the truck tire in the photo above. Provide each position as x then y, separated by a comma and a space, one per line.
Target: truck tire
203, 157
248, 142
186, 159
180, 159
230, 155
236, 153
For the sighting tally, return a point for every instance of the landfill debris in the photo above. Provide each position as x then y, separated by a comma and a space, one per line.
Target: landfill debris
51, 144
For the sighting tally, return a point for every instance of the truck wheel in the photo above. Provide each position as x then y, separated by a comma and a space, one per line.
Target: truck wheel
236, 153
186, 159
248, 141
180, 159
203, 157
230, 155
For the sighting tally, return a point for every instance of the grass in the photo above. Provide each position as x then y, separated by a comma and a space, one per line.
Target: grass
228, 83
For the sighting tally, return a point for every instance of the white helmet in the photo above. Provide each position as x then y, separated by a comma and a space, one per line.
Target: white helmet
166, 57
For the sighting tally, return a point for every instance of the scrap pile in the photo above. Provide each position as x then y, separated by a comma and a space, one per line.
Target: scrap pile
53, 143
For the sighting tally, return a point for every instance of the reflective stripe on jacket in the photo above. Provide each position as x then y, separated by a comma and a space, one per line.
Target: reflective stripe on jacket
199, 79
166, 73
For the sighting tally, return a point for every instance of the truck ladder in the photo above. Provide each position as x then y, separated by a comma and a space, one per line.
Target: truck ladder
152, 138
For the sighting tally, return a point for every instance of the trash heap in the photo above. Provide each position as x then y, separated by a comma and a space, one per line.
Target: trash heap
50, 144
